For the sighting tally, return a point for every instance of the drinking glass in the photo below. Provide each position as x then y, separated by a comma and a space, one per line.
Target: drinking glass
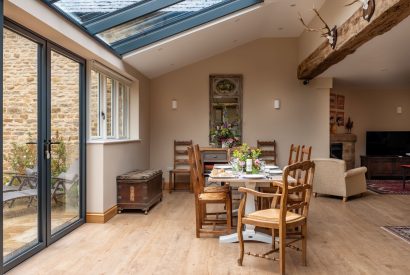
262, 167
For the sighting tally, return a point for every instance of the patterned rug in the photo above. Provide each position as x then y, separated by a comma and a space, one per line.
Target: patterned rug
393, 187
403, 232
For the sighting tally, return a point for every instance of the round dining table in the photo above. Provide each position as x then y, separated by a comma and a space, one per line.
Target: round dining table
249, 233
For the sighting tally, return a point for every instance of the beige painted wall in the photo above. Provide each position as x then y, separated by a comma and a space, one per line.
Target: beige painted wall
268, 67
374, 110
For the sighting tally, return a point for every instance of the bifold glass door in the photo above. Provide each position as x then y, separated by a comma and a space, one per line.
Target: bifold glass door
43, 143
20, 151
65, 141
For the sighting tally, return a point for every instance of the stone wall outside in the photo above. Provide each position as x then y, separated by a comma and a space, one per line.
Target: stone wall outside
20, 105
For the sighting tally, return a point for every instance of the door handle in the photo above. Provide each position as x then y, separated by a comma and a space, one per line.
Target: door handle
47, 154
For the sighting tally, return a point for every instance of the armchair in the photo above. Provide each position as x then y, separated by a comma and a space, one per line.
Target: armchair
331, 178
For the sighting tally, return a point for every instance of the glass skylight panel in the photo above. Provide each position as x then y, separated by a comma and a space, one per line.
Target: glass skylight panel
85, 10
126, 25
158, 19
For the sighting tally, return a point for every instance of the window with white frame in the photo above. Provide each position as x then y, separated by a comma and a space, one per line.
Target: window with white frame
109, 99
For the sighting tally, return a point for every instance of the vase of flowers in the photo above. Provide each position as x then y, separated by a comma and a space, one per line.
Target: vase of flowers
224, 136
244, 153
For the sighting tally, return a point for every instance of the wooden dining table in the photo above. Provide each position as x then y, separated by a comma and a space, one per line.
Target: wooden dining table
249, 233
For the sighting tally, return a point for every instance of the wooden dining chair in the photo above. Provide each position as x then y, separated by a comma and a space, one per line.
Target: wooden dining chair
181, 162
305, 153
268, 151
202, 199
280, 219
293, 154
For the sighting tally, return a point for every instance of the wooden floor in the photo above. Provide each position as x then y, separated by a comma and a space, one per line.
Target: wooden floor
344, 238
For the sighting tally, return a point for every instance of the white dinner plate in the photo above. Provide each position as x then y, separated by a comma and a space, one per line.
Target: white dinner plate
254, 176
276, 172
222, 166
271, 167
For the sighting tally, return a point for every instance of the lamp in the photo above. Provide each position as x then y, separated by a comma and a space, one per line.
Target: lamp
276, 104
174, 104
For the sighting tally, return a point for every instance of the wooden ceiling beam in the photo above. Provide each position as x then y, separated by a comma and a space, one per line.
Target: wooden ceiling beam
352, 34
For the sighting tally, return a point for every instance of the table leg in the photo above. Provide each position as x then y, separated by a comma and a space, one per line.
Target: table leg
249, 233
171, 182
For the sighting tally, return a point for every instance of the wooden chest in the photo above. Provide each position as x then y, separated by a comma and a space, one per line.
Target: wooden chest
139, 189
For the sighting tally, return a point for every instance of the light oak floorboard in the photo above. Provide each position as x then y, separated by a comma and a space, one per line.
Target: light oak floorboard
344, 238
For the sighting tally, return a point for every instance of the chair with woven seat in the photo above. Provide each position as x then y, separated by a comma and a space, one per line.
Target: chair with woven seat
202, 199
181, 163
282, 219
305, 153
293, 158
268, 151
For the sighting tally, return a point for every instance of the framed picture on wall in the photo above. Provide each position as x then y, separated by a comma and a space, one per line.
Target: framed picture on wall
332, 101
332, 117
340, 118
340, 102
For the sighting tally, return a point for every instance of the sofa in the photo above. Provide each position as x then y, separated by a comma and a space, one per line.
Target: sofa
331, 178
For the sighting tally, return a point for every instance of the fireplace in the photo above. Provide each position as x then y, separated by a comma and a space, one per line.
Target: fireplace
336, 150
342, 146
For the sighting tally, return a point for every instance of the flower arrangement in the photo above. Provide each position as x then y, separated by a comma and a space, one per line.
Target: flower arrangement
243, 153
224, 135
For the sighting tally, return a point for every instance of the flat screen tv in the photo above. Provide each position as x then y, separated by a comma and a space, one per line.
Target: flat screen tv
388, 143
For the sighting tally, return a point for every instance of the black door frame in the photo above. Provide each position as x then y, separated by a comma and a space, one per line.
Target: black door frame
82, 136
44, 107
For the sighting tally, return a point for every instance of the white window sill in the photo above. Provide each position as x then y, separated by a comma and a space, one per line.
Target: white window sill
112, 141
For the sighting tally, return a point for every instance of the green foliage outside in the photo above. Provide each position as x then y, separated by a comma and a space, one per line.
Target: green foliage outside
24, 156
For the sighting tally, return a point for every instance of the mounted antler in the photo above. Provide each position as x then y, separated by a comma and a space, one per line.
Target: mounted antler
368, 7
330, 34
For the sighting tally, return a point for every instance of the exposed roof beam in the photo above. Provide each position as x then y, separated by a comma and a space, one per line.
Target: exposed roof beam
139, 41
124, 15
352, 34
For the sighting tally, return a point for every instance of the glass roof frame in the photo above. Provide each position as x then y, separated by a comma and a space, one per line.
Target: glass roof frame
105, 16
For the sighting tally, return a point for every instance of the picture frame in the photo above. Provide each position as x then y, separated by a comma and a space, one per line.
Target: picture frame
340, 102
332, 117
333, 103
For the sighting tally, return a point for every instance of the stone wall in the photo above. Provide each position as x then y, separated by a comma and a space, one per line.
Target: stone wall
20, 83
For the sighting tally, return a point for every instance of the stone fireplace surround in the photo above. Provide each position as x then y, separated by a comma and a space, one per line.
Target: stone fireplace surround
348, 141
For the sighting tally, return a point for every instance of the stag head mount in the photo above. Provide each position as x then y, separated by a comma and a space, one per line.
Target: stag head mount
325, 31
368, 8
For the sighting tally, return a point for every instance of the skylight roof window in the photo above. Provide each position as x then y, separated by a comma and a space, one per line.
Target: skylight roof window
127, 25
83, 11
156, 20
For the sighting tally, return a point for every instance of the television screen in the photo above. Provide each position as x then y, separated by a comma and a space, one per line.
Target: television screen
388, 143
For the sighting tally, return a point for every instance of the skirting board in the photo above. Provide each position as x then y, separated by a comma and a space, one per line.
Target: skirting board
101, 217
